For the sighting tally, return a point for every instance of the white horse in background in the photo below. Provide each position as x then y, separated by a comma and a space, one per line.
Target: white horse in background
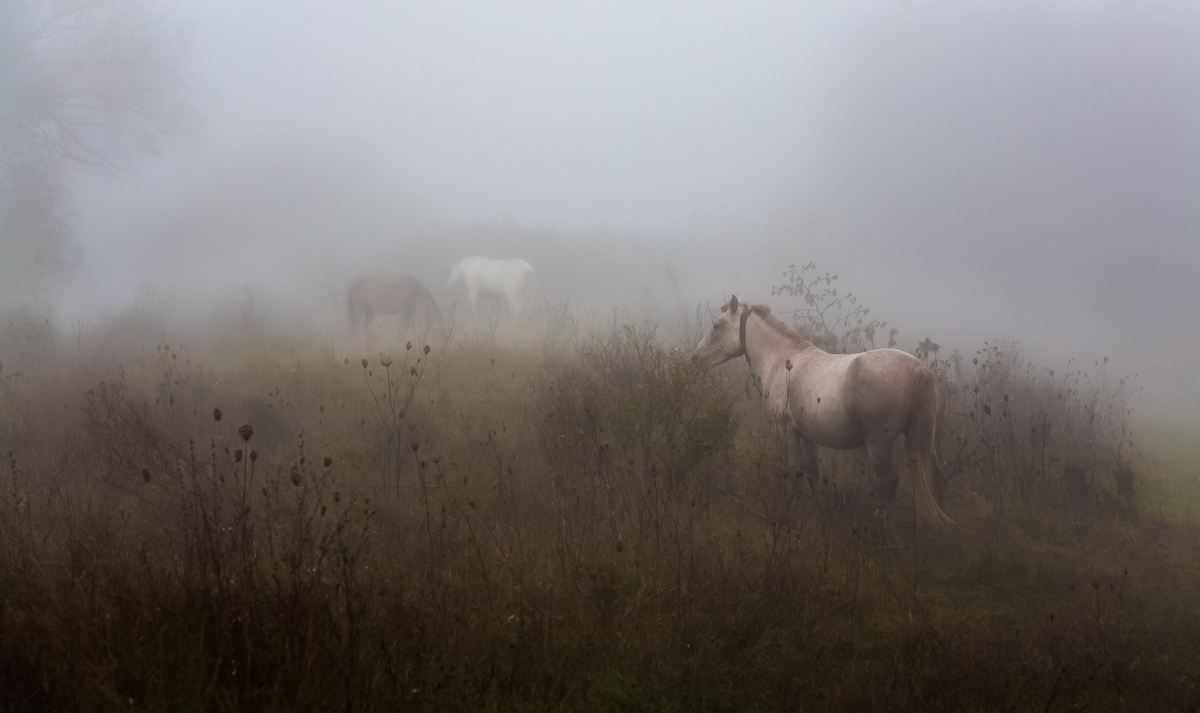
507, 280
836, 400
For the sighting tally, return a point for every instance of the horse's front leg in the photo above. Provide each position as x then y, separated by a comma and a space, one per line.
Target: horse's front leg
514, 306
802, 458
472, 296
879, 451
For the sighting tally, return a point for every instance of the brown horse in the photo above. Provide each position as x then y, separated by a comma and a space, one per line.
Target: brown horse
836, 400
405, 296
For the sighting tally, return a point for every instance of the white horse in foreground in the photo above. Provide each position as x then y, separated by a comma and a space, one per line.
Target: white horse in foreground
836, 400
508, 280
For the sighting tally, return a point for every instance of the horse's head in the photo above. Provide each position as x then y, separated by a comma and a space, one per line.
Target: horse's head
724, 342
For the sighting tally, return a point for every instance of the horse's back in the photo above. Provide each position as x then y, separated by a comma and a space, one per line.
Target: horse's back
496, 276
836, 399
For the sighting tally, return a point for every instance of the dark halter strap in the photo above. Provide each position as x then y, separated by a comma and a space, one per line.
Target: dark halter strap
742, 334
750, 377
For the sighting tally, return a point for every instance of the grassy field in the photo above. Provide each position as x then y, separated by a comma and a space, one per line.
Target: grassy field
227, 515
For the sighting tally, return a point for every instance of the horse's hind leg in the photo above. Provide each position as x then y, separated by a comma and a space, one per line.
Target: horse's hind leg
879, 452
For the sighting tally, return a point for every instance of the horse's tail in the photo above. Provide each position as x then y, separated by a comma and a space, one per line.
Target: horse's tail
926, 478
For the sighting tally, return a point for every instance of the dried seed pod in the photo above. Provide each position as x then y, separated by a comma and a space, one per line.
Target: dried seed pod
216, 414
246, 431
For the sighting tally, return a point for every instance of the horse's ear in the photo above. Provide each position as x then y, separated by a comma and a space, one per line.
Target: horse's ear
724, 308
733, 304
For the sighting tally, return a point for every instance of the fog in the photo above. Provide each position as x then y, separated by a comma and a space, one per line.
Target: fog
968, 169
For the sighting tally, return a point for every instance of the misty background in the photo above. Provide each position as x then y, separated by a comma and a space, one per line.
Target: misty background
969, 169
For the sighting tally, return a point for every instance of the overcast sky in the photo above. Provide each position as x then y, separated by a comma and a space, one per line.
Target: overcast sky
969, 169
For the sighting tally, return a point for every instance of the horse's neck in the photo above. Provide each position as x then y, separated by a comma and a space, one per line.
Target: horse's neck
763, 342
767, 345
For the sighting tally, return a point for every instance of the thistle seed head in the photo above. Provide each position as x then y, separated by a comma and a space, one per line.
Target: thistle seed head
246, 431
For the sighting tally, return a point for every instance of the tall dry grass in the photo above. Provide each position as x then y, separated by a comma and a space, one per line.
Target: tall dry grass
227, 517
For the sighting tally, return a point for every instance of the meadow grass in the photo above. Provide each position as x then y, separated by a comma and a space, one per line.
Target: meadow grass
572, 517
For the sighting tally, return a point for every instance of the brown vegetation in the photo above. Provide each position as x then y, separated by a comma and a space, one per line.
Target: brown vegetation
256, 521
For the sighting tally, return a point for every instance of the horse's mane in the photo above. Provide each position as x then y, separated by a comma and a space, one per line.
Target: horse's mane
776, 324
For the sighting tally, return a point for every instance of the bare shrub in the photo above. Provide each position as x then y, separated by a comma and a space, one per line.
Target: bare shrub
836, 323
585, 522
1021, 433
